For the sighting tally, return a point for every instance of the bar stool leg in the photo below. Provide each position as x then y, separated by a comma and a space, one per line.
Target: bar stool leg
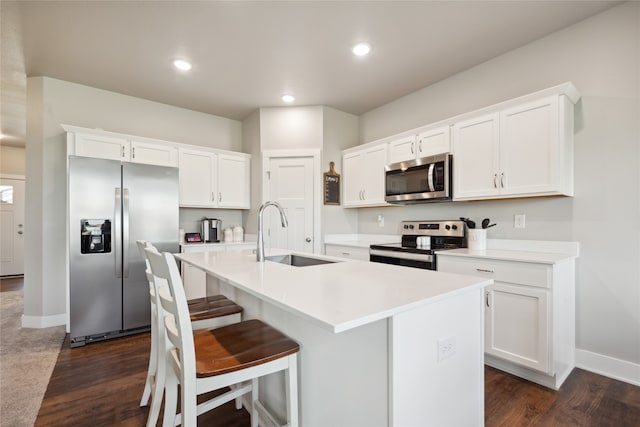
254, 399
291, 390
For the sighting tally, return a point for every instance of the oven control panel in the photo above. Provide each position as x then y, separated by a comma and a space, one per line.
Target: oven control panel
434, 228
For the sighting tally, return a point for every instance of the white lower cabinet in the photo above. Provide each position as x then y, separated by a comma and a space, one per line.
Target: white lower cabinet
194, 280
529, 315
350, 252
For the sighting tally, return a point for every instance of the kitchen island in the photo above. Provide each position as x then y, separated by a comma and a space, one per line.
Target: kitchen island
380, 344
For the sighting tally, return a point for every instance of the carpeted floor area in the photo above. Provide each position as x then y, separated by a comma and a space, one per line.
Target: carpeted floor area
27, 358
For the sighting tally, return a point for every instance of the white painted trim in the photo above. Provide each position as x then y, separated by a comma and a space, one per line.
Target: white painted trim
40, 322
611, 367
11, 176
316, 154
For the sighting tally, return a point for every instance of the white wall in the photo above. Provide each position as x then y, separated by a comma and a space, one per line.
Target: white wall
601, 57
339, 131
51, 102
12, 160
290, 128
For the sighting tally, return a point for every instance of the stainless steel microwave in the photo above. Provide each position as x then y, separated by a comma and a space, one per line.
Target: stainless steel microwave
427, 179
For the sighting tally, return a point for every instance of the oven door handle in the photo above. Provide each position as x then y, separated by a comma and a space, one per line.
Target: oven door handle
432, 188
401, 255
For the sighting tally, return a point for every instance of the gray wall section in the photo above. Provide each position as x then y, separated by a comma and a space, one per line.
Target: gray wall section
601, 57
53, 102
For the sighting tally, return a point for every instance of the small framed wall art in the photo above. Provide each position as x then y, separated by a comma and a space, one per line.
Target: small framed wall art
331, 186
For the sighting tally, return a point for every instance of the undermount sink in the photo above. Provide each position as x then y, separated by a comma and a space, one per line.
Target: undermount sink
297, 260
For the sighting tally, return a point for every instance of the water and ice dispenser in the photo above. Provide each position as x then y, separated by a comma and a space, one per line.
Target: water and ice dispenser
95, 236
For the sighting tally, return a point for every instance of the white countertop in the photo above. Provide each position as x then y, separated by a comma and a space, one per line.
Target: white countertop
507, 255
338, 296
196, 244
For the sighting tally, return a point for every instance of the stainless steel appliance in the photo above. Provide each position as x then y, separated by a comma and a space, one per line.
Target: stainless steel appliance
420, 240
111, 205
211, 230
427, 179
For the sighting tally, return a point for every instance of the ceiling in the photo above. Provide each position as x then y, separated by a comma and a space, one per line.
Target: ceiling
247, 54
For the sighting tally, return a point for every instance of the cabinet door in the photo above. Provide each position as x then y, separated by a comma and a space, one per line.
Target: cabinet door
434, 141
233, 181
517, 325
198, 176
476, 158
154, 153
351, 184
529, 148
402, 149
373, 173
101, 147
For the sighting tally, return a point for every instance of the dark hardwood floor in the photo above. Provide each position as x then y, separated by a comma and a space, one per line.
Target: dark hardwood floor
101, 384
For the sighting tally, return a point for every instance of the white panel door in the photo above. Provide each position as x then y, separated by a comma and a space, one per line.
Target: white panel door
11, 227
517, 325
291, 185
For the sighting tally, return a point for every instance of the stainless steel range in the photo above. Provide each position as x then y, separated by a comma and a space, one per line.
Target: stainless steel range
420, 240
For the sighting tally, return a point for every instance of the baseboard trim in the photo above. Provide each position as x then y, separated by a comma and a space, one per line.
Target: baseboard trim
608, 366
40, 322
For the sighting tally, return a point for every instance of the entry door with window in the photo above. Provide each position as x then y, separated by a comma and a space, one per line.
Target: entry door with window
291, 185
11, 227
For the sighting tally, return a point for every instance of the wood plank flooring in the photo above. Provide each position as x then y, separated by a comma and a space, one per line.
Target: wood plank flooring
101, 385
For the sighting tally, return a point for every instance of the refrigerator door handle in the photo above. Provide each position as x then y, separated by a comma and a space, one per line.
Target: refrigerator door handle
117, 215
125, 232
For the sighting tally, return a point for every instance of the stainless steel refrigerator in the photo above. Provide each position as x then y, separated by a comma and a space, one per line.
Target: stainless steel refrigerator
111, 206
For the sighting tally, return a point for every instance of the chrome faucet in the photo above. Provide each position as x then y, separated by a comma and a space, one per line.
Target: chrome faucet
283, 219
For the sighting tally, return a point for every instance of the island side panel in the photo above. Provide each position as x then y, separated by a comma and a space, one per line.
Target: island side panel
432, 389
343, 378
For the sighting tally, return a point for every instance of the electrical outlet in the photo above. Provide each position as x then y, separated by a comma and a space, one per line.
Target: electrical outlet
519, 221
380, 221
446, 348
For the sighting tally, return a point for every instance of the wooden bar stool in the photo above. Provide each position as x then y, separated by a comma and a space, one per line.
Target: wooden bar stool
208, 360
208, 312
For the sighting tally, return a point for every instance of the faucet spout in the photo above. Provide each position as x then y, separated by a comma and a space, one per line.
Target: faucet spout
283, 220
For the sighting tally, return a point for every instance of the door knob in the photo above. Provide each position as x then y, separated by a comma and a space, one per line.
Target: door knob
308, 239
19, 232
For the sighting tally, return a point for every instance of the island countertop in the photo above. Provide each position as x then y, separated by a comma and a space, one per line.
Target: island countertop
339, 296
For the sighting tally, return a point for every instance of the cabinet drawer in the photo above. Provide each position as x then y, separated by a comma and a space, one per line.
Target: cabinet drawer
522, 273
350, 252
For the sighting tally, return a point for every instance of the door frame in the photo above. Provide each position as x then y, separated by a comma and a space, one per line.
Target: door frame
316, 155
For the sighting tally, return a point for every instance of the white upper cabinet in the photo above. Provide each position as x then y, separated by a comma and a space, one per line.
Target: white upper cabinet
210, 179
402, 149
521, 150
233, 181
198, 175
102, 146
151, 153
429, 142
476, 157
434, 141
364, 176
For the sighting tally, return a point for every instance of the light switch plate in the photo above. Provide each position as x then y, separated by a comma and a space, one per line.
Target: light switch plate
519, 221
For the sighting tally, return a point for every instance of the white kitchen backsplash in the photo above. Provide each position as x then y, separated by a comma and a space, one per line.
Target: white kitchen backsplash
191, 218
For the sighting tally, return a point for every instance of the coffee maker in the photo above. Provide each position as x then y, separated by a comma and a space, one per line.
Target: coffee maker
211, 230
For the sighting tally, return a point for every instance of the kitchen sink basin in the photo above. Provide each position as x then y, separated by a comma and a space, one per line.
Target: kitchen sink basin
297, 260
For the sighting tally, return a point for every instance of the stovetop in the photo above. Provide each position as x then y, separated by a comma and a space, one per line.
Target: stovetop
440, 235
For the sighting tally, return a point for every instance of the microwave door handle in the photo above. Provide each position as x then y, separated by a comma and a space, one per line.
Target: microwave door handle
432, 188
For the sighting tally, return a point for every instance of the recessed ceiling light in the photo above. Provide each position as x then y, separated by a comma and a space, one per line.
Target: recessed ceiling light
361, 49
288, 98
181, 64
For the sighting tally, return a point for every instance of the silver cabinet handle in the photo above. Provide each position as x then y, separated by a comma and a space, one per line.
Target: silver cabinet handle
412, 152
123, 152
502, 180
219, 197
308, 239
133, 152
420, 146
117, 228
495, 180
346, 253
483, 270
363, 196
487, 299
213, 197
